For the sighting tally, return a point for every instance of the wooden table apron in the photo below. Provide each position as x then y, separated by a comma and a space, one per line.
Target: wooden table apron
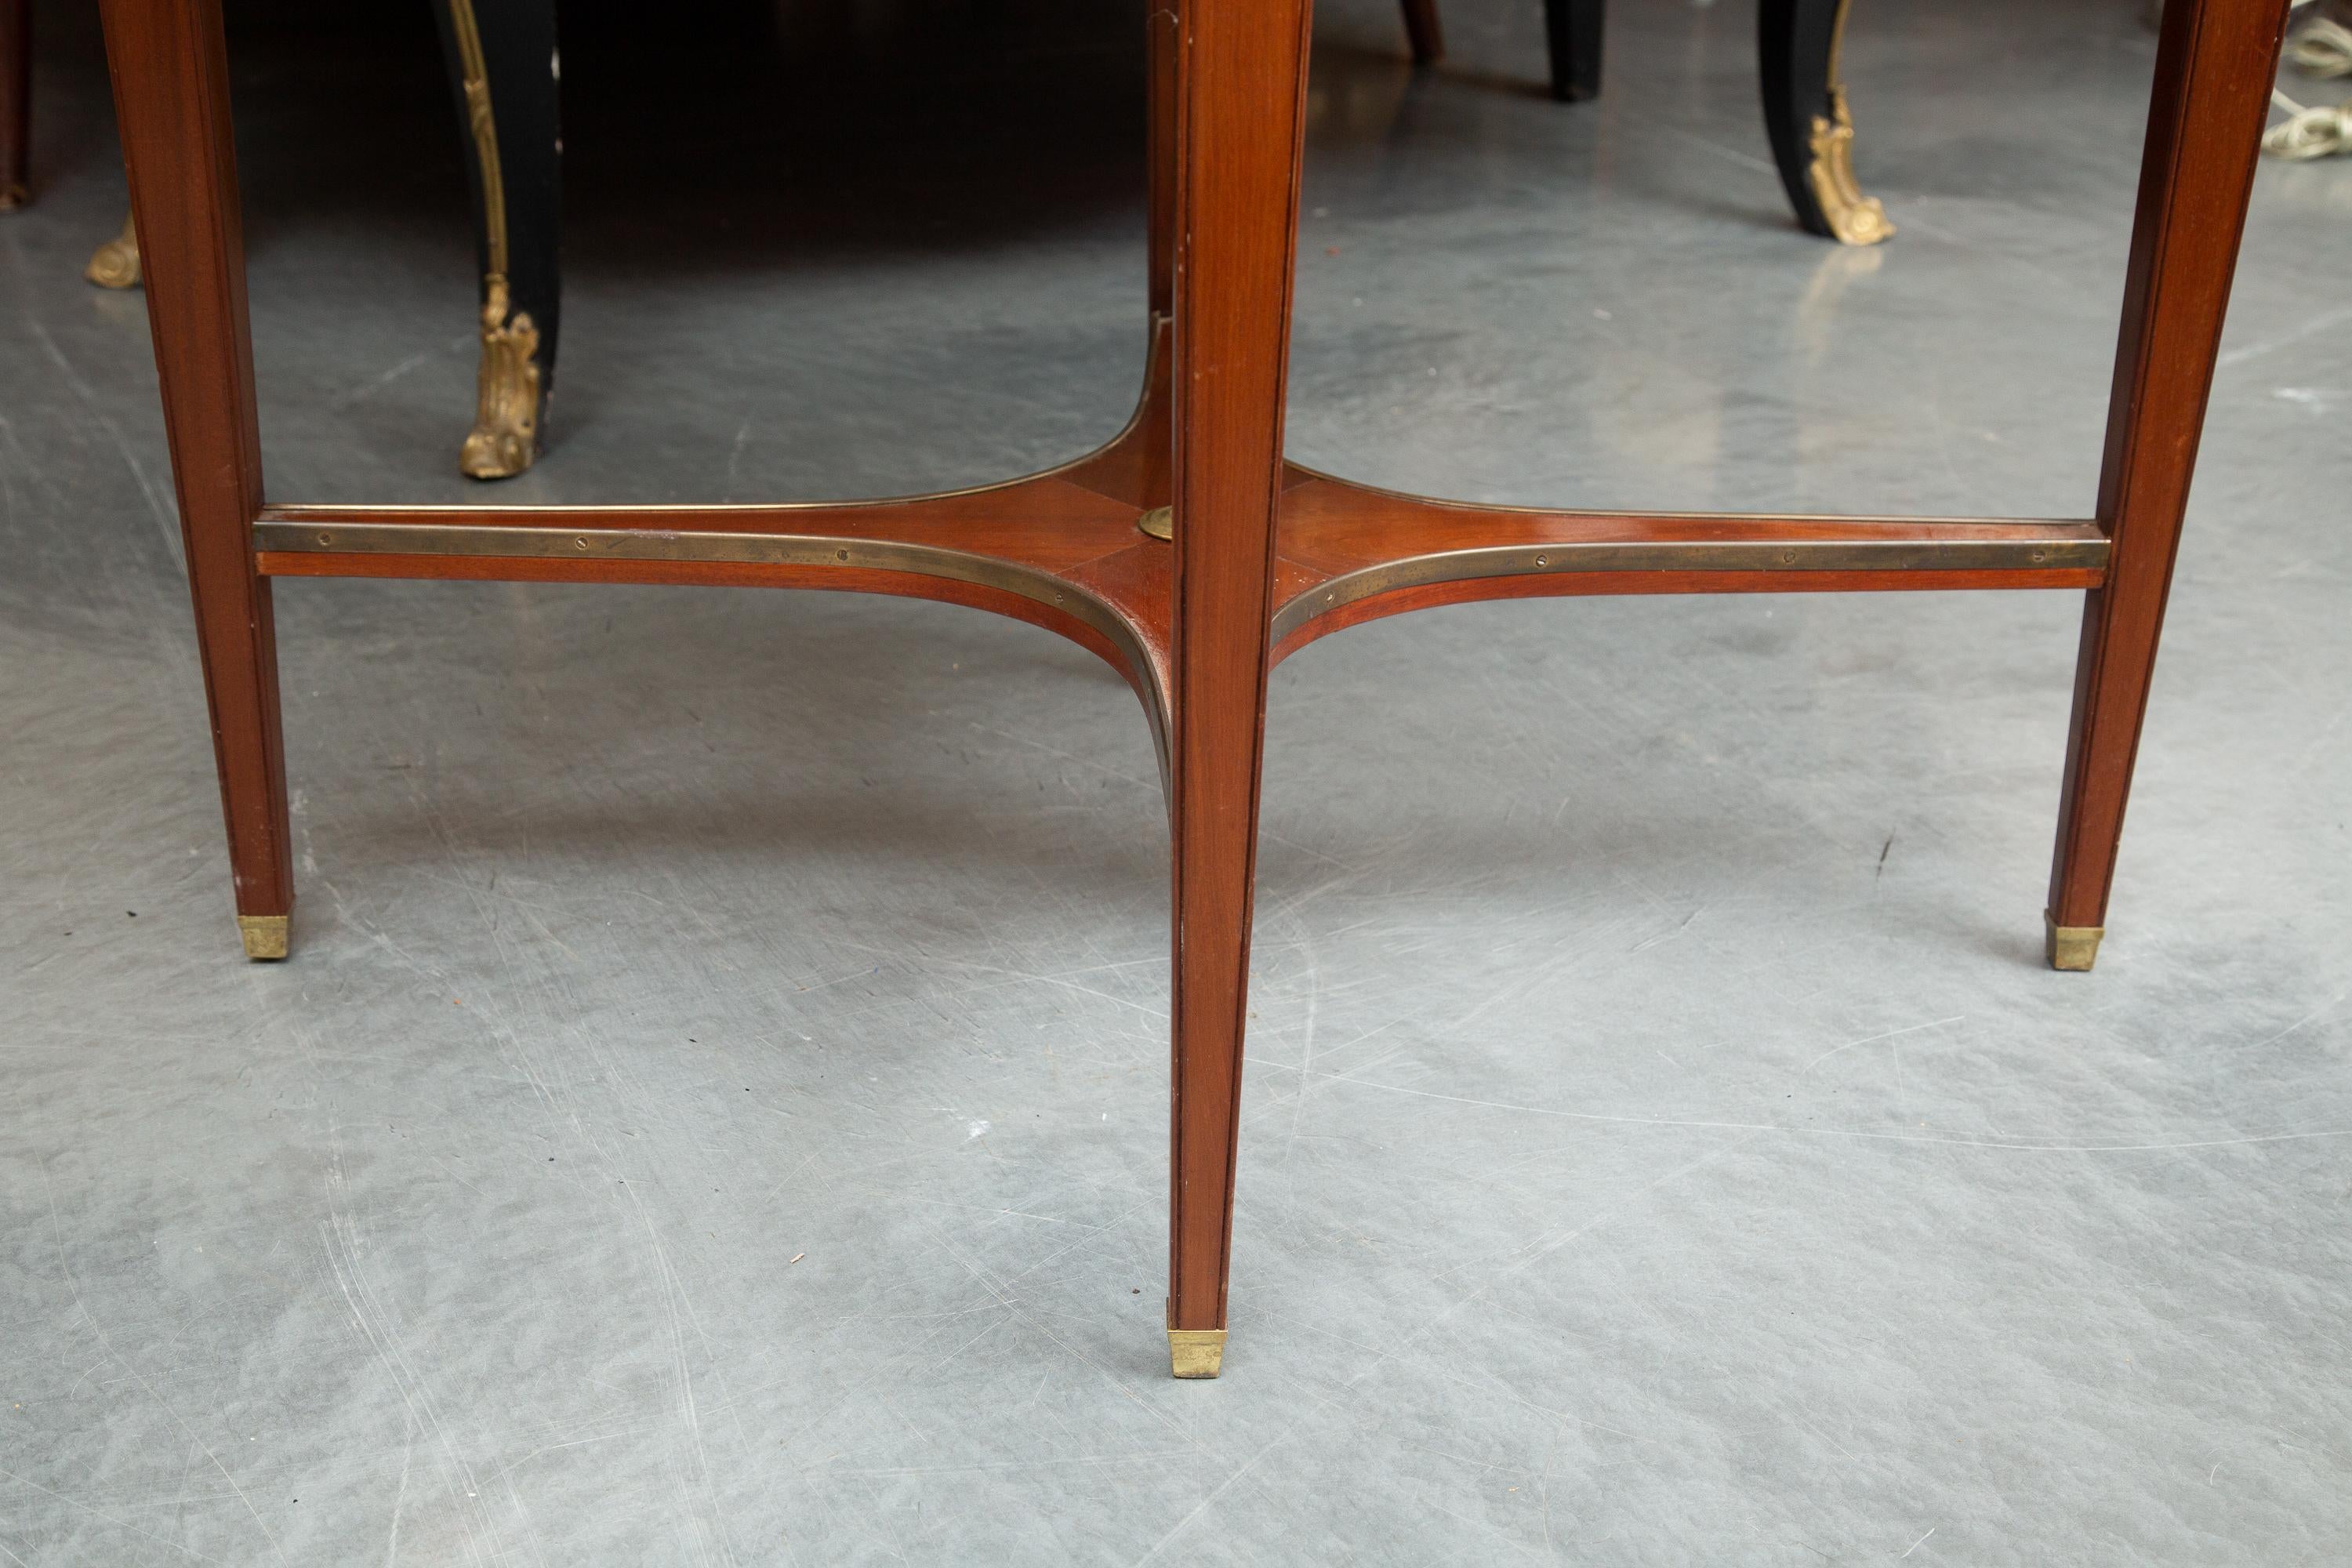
1266, 556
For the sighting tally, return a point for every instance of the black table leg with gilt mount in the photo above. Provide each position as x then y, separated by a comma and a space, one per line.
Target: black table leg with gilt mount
16, 102
1797, 45
504, 72
1798, 48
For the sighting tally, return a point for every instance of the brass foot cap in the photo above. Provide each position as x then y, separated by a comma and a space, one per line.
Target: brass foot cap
11, 197
264, 935
1159, 522
2073, 947
1196, 1353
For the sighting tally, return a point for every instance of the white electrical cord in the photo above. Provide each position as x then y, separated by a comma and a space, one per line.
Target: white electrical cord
2308, 132
2323, 48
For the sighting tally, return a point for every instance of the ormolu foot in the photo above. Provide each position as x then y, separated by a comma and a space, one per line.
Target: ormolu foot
1855, 218
115, 264
505, 437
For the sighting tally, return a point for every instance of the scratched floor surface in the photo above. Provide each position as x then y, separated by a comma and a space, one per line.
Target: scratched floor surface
717, 1110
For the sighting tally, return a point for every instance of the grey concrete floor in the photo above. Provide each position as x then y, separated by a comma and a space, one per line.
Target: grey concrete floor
717, 1110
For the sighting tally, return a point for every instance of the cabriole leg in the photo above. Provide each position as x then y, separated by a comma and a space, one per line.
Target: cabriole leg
1241, 88
171, 95
2214, 63
502, 68
1797, 46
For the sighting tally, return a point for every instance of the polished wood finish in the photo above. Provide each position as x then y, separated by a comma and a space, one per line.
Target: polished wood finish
1344, 554
171, 92
1242, 90
1351, 554
2215, 62
1797, 49
15, 101
1267, 556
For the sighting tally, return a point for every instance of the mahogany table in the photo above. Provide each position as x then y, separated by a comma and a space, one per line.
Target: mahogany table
1264, 556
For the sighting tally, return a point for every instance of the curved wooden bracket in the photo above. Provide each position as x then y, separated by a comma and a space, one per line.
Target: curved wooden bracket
1062, 550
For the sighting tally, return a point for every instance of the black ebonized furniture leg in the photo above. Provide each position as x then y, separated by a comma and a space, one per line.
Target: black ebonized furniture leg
1805, 115
16, 100
1572, 28
1422, 31
502, 65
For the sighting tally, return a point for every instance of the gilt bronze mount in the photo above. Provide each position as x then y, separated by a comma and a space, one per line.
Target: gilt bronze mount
115, 263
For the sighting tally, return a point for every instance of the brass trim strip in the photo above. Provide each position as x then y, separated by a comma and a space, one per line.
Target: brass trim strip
675, 545
293, 536
626, 544
1299, 477
687, 545
2071, 551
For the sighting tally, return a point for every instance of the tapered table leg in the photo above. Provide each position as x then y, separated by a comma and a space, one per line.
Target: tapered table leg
1241, 87
171, 95
2214, 63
